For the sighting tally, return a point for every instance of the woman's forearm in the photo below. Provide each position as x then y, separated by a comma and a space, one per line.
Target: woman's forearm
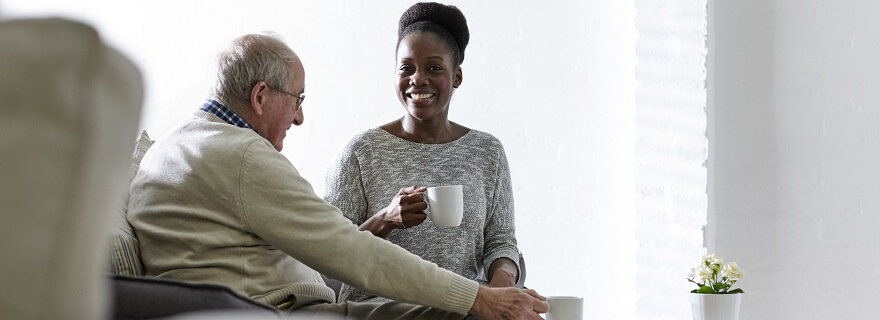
377, 225
502, 273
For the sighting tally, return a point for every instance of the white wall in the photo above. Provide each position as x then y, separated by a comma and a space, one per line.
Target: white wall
553, 80
794, 166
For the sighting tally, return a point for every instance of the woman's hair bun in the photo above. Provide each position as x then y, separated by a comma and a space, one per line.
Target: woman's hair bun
446, 16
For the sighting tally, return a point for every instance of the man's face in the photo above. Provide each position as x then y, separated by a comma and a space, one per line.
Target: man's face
281, 111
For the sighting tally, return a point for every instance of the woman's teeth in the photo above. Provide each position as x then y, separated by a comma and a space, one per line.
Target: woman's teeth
420, 96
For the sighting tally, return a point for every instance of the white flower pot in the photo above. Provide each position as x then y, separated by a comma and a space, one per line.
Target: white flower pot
715, 306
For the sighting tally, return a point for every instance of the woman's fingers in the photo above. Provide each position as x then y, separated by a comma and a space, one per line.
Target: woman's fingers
412, 198
412, 189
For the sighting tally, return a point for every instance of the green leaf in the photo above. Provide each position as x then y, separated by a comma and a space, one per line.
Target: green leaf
704, 289
737, 290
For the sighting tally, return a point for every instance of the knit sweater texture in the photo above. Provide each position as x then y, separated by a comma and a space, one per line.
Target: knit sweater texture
374, 165
214, 203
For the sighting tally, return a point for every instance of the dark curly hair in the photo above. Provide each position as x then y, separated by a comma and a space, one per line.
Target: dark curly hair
445, 21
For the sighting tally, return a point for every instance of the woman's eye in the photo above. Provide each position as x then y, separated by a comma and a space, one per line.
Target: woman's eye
435, 68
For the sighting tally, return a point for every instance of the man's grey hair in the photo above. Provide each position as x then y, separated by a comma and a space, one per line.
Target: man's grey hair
250, 59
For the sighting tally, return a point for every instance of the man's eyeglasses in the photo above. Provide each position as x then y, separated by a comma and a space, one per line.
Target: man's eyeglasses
299, 98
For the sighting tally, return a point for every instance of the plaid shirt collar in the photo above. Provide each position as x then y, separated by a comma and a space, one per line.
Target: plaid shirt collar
221, 111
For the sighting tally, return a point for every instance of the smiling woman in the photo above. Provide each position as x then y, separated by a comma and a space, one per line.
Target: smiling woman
424, 149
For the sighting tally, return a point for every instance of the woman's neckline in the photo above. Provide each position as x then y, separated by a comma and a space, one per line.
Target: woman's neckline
456, 139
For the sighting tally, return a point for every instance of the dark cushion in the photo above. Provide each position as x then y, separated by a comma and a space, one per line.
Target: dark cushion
334, 284
148, 298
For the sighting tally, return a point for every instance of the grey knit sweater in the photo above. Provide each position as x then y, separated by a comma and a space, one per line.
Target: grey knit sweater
375, 164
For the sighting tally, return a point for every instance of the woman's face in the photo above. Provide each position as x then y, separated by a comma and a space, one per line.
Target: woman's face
426, 76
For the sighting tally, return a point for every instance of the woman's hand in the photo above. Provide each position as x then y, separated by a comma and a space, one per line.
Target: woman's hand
404, 211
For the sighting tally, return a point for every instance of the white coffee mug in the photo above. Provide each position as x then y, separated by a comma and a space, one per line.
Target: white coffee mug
565, 308
445, 205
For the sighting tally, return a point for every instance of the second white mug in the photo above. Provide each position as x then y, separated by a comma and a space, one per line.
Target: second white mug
445, 205
565, 308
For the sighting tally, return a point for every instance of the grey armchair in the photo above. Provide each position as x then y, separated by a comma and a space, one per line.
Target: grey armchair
69, 106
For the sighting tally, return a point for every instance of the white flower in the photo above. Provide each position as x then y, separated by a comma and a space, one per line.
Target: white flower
701, 274
713, 262
712, 259
733, 272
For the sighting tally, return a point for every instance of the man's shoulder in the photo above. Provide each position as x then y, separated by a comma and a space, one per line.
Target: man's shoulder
209, 137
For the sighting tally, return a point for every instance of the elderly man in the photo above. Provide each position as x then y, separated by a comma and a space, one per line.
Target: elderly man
215, 202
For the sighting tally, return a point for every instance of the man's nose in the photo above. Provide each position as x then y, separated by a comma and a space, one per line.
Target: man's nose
299, 117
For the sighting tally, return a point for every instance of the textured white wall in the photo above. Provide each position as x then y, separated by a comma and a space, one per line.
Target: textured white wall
553, 80
794, 188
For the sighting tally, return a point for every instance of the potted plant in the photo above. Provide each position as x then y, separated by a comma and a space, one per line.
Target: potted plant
714, 299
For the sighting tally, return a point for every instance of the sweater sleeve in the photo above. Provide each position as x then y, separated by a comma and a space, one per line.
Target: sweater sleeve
345, 188
281, 207
499, 233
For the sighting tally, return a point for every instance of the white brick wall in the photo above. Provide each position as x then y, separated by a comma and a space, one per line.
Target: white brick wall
671, 151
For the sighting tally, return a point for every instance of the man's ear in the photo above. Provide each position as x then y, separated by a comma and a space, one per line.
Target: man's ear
458, 77
259, 94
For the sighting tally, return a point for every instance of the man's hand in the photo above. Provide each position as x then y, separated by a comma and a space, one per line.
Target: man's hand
508, 303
